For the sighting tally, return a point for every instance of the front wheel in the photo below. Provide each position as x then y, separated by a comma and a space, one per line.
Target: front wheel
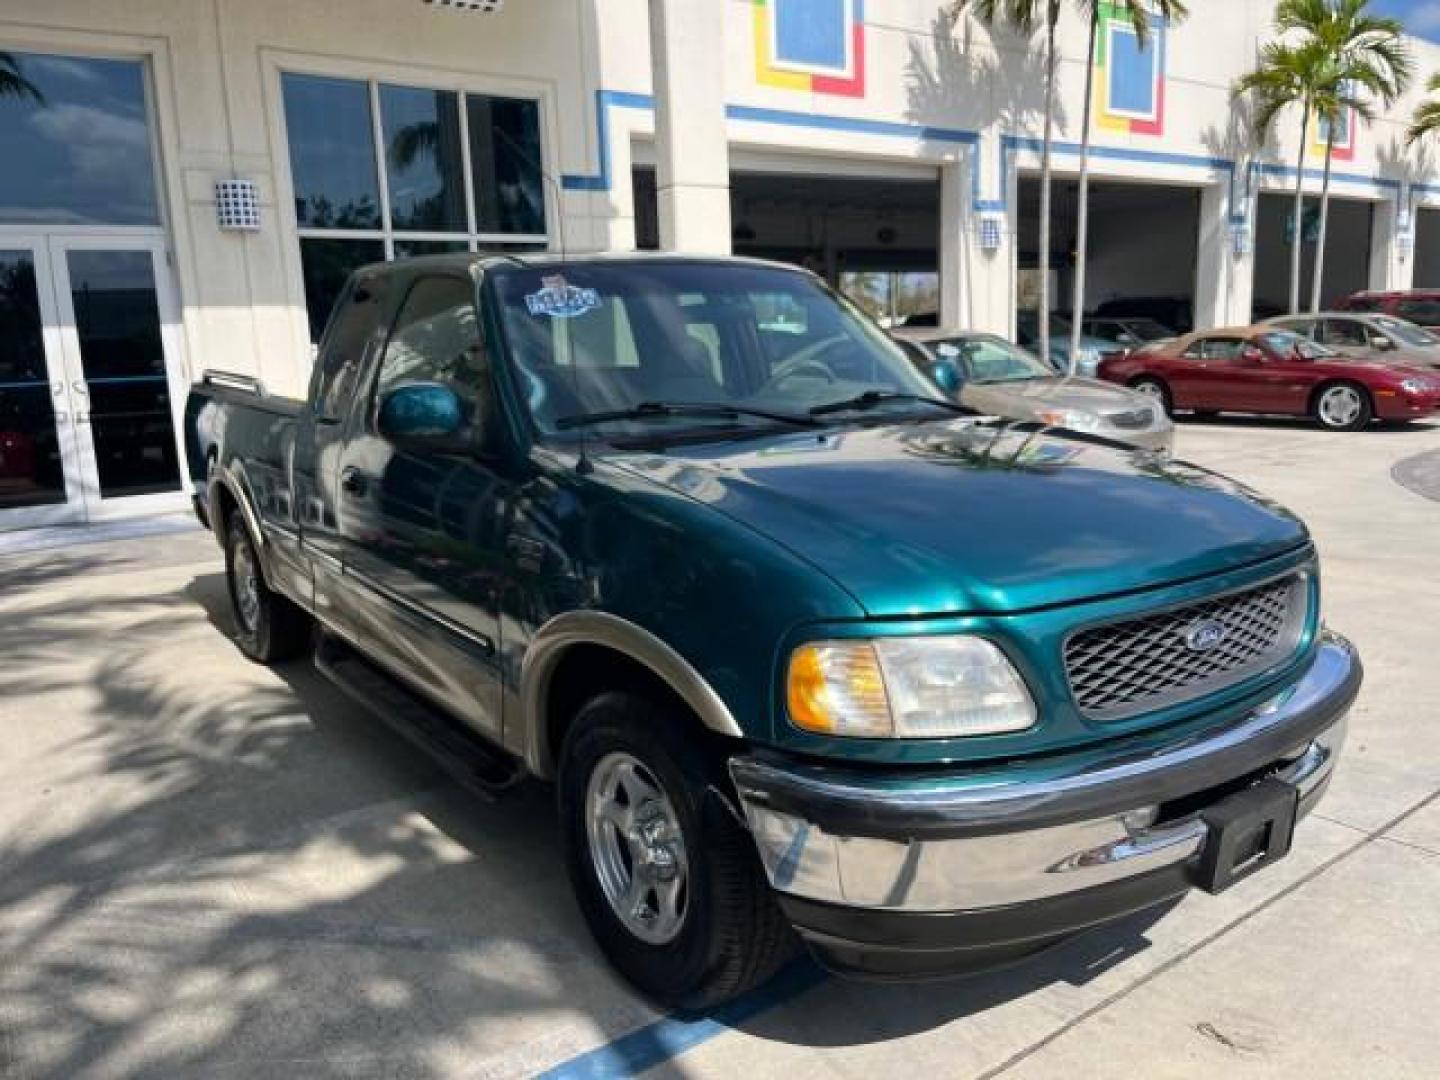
1343, 407
667, 879
1155, 389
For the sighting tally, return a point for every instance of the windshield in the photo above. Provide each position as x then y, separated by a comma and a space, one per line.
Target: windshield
605, 337
1286, 343
986, 359
1404, 333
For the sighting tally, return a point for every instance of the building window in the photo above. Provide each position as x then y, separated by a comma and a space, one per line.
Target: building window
382, 171
77, 142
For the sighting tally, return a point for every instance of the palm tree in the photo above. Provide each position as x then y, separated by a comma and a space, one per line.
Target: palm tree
1336, 52
1425, 120
1366, 60
1138, 14
1022, 15
1286, 75
13, 83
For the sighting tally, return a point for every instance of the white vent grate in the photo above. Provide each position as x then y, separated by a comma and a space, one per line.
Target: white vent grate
237, 205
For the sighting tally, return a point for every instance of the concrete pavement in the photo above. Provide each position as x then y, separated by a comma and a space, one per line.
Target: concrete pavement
210, 868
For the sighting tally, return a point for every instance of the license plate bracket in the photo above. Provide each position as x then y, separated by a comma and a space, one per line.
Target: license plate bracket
1247, 831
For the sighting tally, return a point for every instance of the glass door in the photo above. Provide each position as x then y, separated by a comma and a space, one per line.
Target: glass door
39, 458
117, 329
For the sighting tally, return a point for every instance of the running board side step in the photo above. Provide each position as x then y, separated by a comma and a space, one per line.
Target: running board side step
471, 760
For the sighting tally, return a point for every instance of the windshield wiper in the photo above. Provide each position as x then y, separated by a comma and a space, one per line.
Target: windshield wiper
871, 398
647, 410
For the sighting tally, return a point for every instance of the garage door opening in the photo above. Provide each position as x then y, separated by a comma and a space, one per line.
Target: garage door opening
1427, 249
1347, 252
875, 238
1143, 245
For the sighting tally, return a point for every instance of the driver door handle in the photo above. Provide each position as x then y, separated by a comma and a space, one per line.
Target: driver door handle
352, 482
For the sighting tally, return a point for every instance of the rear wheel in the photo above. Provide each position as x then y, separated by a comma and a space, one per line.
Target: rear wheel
1343, 407
1153, 388
268, 627
666, 877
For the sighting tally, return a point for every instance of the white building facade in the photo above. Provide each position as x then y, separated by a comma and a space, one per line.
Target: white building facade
186, 182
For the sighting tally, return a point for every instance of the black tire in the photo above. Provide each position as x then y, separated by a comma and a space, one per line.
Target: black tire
1153, 387
1355, 396
270, 629
733, 935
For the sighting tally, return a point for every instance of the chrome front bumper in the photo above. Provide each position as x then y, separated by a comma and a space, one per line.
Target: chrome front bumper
957, 845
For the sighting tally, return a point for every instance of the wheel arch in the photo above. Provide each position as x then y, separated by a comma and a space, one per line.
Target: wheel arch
227, 495
637, 653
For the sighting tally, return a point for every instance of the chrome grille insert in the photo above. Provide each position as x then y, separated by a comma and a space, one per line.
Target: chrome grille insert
1122, 668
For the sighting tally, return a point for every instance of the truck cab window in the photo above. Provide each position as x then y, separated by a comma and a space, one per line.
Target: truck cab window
342, 351
436, 339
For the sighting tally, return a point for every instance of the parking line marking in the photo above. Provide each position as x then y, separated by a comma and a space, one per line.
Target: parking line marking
656, 1043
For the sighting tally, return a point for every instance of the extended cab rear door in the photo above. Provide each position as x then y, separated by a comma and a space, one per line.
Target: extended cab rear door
356, 331
420, 531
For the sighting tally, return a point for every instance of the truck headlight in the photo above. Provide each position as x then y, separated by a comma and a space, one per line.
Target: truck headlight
906, 688
1074, 419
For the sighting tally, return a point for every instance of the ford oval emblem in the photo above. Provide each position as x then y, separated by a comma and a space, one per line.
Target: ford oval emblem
1204, 636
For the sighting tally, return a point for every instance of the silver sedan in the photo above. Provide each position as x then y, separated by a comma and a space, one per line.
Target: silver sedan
991, 375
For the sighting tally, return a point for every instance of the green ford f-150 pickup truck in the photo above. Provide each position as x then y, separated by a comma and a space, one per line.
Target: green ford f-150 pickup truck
801, 646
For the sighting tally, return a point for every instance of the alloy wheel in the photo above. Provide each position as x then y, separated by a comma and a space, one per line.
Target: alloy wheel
637, 848
247, 586
1340, 406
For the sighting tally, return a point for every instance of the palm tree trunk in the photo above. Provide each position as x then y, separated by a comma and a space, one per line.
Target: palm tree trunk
1043, 259
1318, 271
1299, 211
1082, 213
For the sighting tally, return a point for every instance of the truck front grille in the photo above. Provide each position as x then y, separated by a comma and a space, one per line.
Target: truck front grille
1122, 668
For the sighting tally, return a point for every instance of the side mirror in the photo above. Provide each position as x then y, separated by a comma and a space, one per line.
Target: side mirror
945, 374
425, 416
1252, 354
1380, 341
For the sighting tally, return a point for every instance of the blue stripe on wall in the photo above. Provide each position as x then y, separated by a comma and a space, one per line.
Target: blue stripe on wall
605, 100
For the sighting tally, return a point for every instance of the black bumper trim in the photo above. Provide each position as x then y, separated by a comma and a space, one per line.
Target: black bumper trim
907, 944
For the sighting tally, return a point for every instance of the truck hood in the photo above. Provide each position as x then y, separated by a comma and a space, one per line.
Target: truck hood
927, 518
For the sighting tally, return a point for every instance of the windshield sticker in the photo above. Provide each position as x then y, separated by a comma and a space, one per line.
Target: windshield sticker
561, 300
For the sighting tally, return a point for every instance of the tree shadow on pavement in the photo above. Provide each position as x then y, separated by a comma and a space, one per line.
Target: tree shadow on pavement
209, 865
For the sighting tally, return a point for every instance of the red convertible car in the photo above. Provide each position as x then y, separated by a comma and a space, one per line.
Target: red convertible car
1259, 369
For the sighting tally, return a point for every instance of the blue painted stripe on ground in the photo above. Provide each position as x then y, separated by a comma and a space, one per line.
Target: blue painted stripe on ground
665, 1039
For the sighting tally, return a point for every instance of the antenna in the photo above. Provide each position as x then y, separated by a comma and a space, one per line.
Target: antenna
583, 465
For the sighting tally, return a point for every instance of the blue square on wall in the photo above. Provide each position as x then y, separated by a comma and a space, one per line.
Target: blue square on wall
812, 33
1132, 73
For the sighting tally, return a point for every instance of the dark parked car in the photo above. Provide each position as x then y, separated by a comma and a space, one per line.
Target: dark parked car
1260, 369
1419, 306
801, 644
1128, 332
1176, 312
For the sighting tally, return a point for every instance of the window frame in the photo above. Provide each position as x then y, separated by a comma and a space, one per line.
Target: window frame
473, 238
